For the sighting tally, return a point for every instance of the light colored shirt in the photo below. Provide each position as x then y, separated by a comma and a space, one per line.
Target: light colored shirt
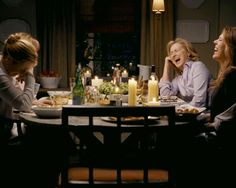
14, 97
191, 86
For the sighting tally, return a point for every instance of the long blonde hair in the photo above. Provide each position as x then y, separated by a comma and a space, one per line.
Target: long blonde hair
229, 37
186, 45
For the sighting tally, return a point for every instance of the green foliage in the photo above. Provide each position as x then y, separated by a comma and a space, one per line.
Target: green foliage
108, 88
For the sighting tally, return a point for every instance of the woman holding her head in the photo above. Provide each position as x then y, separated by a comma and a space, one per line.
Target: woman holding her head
18, 60
19, 57
193, 77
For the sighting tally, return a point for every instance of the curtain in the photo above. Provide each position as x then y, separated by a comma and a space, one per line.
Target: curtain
156, 31
56, 32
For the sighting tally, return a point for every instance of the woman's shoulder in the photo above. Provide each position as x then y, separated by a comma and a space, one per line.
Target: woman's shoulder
197, 66
198, 63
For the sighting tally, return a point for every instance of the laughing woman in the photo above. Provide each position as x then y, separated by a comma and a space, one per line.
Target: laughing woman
193, 77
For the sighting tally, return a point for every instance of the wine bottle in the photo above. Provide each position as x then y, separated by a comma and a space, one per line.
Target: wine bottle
78, 93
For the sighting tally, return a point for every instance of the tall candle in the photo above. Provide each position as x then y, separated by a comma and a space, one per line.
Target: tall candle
96, 82
132, 92
153, 89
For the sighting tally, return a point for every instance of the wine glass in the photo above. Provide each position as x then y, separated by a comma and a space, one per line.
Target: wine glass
36, 89
72, 83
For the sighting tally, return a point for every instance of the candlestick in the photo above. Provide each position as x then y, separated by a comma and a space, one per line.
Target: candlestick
153, 89
132, 92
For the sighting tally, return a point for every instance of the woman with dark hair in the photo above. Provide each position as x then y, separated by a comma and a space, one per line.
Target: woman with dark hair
222, 91
214, 149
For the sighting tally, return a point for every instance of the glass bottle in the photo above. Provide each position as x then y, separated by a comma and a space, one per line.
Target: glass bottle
78, 93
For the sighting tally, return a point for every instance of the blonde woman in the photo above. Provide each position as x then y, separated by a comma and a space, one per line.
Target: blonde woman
18, 59
193, 77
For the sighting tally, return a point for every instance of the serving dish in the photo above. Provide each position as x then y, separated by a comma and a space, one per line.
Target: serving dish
47, 111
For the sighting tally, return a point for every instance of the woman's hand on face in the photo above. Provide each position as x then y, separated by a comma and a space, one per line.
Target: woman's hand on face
22, 75
172, 64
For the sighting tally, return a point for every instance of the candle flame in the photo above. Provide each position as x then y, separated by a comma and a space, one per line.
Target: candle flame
152, 78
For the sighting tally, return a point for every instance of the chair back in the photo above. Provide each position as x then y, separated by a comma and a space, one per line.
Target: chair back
119, 145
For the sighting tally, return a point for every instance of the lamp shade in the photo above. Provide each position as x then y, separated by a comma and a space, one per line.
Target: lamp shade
158, 6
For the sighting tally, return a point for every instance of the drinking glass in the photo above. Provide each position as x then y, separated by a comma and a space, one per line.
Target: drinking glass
72, 83
36, 89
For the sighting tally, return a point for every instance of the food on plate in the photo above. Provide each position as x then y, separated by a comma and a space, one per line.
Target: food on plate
168, 98
190, 110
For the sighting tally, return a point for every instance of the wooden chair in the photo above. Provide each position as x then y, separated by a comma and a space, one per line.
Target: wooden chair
120, 154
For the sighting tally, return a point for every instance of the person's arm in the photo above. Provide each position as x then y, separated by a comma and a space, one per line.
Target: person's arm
167, 86
200, 79
226, 116
15, 97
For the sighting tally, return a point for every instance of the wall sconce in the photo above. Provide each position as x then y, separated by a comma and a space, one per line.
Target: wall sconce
158, 6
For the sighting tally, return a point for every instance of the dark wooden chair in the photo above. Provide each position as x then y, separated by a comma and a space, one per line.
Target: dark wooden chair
120, 154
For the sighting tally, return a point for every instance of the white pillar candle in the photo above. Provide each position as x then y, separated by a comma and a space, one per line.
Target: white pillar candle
132, 92
153, 89
124, 74
96, 82
87, 74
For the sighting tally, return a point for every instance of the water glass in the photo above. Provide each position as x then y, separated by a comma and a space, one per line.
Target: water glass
36, 89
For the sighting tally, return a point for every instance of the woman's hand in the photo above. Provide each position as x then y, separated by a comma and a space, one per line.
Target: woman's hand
172, 64
22, 75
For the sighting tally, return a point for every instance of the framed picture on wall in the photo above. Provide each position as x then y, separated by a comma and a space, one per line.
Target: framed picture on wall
195, 31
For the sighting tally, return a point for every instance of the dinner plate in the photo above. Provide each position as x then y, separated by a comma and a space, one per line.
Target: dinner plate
130, 120
47, 111
188, 109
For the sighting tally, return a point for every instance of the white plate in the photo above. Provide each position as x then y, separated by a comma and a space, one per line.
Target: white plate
47, 111
188, 109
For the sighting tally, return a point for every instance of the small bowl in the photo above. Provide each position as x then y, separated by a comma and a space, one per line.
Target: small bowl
49, 82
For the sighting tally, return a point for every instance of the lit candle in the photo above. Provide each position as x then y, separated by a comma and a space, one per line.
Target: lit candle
132, 92
87, 74
96, 82
154, 102
124, 74
153, 89
117, 90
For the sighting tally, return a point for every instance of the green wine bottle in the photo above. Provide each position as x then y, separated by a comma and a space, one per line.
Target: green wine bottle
78, 93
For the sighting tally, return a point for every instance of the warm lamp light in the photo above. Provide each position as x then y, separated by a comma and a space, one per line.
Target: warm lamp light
158, 6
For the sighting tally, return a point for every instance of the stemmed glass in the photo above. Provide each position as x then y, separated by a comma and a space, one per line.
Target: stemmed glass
72, 83
36, 89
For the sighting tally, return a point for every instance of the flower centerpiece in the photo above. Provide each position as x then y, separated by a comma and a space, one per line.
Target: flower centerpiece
107, 89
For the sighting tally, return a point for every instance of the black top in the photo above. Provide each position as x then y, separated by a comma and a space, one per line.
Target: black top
225, 95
